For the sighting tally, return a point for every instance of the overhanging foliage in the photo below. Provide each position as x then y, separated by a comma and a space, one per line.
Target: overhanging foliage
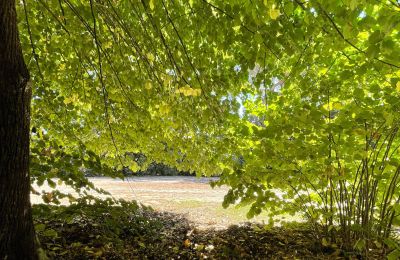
295, 103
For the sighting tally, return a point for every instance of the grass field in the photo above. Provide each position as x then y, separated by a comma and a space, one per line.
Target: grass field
190, 196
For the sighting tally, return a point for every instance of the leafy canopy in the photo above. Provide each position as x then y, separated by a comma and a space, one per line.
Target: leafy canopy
295, 103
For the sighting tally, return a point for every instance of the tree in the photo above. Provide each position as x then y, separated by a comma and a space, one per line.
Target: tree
140, 77
16, 226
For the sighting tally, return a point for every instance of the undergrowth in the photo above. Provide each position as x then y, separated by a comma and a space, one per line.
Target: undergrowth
110, 229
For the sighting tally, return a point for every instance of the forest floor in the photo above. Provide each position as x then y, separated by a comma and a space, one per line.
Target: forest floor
173, 218
101, 230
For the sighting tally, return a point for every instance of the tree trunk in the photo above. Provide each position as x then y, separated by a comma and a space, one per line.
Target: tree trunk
16, 226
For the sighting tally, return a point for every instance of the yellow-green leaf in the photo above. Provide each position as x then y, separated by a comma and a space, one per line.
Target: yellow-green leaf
274, 13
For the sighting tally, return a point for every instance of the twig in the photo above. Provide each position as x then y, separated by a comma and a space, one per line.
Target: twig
184, 47
105, 98
35, 55
242, 25
350, 43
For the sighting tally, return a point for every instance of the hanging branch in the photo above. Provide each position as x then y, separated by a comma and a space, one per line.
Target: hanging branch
54, 15
35, 55
62, 12
103, 87
184, 47
137, 47
242, 25
350, 43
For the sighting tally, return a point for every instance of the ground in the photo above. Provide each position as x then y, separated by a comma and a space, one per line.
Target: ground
101, 230
185, 221
193, 197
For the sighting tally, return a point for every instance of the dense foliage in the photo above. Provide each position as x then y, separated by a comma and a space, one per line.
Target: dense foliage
294, 103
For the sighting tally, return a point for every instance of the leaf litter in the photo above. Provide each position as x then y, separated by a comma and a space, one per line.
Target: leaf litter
125, 230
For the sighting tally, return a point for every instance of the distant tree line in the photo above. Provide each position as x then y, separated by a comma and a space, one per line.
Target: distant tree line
157, 169
153, 169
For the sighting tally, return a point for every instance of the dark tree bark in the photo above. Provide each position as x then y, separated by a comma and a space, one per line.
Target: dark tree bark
16, 226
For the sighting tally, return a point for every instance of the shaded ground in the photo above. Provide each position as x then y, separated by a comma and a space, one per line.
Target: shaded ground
190, 196
102, 231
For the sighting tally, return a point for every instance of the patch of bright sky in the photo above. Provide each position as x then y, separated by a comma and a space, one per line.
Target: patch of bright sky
237, 68
241, 109
170, 72
276, 86
240, 98
91, 73
362, 15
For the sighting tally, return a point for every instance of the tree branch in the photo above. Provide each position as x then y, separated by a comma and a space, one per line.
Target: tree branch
103, 86
184, 47
242, 25
350, 43
35, 55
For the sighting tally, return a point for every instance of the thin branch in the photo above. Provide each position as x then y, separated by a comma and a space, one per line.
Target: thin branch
35, 55
108, 59
136, 45
105, 98
352, 44
54, 15
242, 25
394, 3
62, 12
184, 47
301, 4
298, 60
164, 42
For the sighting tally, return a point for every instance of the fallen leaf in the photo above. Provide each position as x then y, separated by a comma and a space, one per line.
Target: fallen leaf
187, 243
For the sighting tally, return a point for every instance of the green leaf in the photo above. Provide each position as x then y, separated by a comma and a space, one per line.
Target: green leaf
40, 227
274, 13
50, 233
360, 244
394, 255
